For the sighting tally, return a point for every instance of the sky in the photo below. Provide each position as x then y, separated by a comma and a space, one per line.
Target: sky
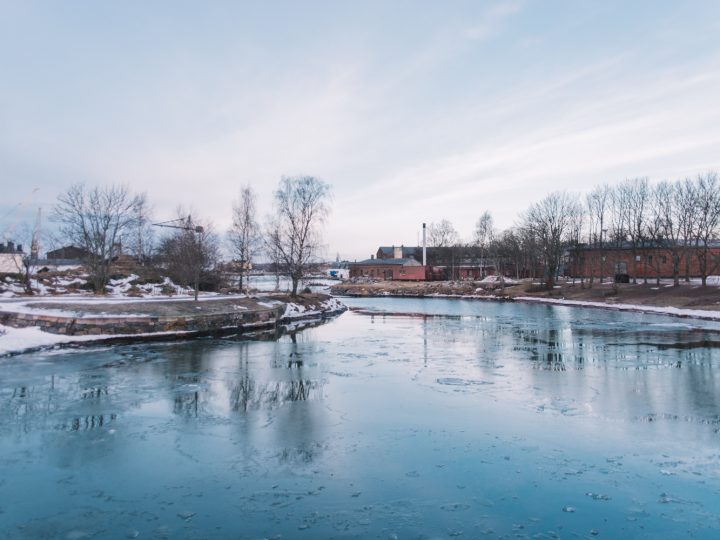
413, 111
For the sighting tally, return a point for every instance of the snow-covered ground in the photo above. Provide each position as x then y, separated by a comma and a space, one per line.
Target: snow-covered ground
21, 339
662, 310
294, 311
72, 283
17, 340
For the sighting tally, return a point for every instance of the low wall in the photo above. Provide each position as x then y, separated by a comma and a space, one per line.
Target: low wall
80, 326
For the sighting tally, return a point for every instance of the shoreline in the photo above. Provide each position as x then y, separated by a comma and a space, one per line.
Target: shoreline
37, 325
642, 303
654, 310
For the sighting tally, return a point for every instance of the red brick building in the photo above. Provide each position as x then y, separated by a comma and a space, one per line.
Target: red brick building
389, 269
639, 262
444, 263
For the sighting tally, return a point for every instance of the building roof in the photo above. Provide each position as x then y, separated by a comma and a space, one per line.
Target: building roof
647, 244
386, 262
60, 252
10, 248
407, 251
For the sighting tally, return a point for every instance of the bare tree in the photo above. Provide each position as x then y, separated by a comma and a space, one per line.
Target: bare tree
670, 224
509, 252
619, 217
244, 234
442, 234
273, 231
95, 219
598, 207
575, 235
140, 240
190, 254
24, 261
549, 221
301, 205
483, 237
636, 195
655, 228
686, 206
707, 224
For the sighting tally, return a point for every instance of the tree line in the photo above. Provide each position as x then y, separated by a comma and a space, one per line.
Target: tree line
680, 219
103, 220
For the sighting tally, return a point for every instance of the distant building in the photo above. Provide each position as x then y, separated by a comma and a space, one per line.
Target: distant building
68, 253
638, 261
444, 263
11, 258
390, 269
400, 252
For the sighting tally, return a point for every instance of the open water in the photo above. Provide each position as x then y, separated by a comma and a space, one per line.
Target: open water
481, 420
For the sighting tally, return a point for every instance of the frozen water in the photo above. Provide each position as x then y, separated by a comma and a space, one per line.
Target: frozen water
484, 420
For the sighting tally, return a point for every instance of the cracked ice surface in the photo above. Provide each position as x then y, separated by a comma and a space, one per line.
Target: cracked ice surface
486, 420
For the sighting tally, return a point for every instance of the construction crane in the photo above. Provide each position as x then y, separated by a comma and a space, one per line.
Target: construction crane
186, 224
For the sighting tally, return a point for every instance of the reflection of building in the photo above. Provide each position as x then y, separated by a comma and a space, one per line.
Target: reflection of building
11, 258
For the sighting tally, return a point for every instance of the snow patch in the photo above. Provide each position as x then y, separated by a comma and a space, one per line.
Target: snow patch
661, 310
20, 339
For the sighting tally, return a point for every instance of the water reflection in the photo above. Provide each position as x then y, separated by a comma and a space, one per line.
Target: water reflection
87, 423
247, 395
493, 419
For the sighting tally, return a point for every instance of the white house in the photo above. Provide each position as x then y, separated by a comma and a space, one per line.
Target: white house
11, 258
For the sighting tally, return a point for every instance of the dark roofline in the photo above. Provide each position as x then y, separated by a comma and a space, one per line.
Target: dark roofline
385, 262
648, 244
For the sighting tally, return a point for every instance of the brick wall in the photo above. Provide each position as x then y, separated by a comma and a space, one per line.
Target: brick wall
649, 263
389, 272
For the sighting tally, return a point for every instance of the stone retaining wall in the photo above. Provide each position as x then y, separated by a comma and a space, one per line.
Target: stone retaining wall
80, 326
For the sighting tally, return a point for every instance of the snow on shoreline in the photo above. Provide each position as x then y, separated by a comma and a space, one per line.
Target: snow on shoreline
295, 311
658, 310
703, 314
14, 340
18, 340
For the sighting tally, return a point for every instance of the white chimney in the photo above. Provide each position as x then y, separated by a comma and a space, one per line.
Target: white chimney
397, 252
424, 248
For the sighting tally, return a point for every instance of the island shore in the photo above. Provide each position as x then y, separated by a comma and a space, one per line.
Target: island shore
687, 300
31, 324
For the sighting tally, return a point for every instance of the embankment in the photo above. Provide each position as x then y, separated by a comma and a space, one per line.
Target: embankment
103, 317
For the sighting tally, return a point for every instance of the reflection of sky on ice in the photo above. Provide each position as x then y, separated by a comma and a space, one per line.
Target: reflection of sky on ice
503, 419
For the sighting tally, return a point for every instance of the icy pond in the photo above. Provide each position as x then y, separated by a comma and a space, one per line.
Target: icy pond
485, 419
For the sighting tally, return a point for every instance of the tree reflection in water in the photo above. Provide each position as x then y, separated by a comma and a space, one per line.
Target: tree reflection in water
248, 393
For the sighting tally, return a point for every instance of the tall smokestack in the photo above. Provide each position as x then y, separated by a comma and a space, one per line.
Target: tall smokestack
424, 248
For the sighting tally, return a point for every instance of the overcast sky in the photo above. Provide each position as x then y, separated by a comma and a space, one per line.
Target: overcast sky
413, 111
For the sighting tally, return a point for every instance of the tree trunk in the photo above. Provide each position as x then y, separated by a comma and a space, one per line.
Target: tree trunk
702, 265
295, 281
